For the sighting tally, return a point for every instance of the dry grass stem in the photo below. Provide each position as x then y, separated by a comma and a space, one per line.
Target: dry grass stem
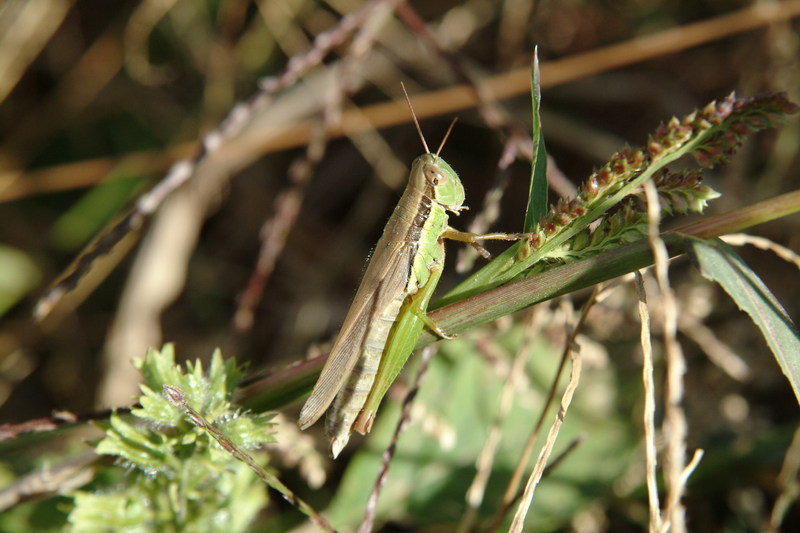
52, 479
675, 422
176, 397
25, 28
511, 492
787, 254
490, 210
651, 451
790, 486
715, 349
202, 164
276, 230
18, 183
179, 259
483, 465
683, 478
518, 523
141, 25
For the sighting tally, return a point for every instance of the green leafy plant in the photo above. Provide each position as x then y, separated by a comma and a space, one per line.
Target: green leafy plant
172, 475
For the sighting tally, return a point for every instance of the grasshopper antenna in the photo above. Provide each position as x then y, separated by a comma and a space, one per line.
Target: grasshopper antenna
446, 135
416, 122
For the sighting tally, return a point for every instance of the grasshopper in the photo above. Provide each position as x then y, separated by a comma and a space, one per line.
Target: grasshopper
389, 310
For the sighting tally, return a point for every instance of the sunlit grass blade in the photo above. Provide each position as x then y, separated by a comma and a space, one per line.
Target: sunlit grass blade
537, 195
719, 263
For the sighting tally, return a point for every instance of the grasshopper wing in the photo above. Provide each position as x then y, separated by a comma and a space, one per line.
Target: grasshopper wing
386, 278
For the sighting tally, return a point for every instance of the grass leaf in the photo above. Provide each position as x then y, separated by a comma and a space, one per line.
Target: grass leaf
718, 262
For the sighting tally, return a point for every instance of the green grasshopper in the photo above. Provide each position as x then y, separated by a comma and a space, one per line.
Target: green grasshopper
389, 310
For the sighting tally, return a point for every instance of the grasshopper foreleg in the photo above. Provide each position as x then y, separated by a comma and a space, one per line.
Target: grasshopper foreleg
473, 239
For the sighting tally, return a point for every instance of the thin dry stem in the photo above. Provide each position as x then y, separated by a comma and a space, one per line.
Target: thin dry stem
79, 86
349, 76
787, 254
675, 424
510, 493
234, 124
17, 183
138, 32
490, 210
26, 29
483, 466
490, 111
651, 453
790, 486
372, 146
536, 475
717, 351
513, 27
58, 420
295, 449
52, 479
155, 280
276, 230
683, 478
287, 206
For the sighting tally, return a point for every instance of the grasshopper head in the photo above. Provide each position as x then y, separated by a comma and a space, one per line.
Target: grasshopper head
441, 180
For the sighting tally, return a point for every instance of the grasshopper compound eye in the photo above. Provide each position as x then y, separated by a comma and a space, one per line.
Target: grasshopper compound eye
434, 176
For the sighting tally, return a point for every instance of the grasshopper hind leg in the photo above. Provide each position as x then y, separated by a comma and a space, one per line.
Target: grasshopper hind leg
419, 302
432, 325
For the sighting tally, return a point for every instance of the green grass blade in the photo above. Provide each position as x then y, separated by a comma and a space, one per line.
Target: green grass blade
718, 262
537, 196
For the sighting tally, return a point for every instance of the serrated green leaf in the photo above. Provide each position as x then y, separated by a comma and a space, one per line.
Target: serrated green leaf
224, 375
248, 431
144, 449
97, 512
195, 370
718, 262
156, 408
177, 474
158, 368
209, 393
